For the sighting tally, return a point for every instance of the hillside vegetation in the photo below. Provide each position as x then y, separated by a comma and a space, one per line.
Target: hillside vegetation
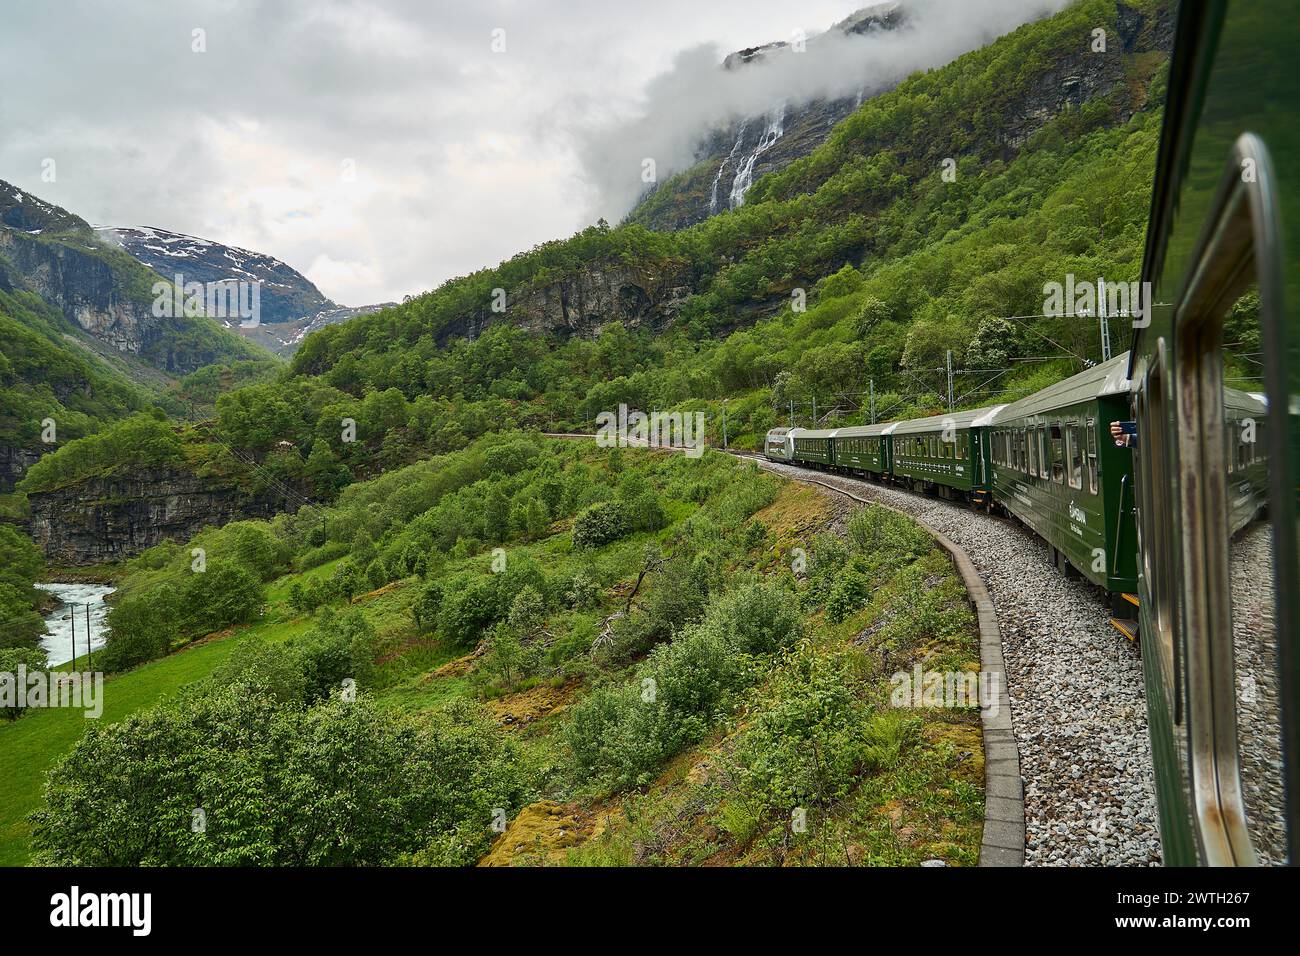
624, 637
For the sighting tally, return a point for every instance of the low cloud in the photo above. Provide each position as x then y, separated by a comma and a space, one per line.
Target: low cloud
697, 95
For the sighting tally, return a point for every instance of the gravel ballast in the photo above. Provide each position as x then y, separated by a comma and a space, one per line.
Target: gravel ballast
1076, 689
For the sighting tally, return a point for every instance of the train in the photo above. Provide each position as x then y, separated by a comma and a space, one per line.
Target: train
1191, 529
1048, 460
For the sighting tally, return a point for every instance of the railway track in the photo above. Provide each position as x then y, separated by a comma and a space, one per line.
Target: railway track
1078, 712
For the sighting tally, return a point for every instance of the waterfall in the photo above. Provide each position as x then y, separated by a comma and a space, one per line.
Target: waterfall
740, 138
745, 174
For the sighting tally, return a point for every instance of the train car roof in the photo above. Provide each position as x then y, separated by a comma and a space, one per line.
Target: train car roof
971, 418
816, 432
1245, 401
1107, 378
869, 431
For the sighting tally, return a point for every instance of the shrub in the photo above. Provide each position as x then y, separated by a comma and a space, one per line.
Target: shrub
338, 648
141, 628
33, 659
338, 784
600, 524
469, 606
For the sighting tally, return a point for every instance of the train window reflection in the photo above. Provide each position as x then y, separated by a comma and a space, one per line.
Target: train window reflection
1246, 412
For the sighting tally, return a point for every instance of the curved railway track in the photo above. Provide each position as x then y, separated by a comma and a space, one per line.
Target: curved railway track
1077, 708
1078, 713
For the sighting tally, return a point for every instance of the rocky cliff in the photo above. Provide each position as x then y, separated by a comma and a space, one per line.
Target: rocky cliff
645, 294
114, 517
99, 289
290, 305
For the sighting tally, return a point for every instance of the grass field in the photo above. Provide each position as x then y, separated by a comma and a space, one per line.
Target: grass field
31, 745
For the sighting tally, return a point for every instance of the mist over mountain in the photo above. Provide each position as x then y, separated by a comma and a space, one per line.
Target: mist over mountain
706, 97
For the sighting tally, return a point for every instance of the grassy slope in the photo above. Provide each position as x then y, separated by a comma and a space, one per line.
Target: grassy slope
416, 673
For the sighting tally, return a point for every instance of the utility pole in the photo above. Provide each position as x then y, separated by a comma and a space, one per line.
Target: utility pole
872, 387
814, 418
792, 413
72, 616
1104, 319
950, 380
89, 665
724, 424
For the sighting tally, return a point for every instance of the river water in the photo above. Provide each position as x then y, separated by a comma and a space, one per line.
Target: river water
74, 597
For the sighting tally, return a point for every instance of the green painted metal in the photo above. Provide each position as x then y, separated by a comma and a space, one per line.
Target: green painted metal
944, 450
865, 448
1234, 72
1056, 468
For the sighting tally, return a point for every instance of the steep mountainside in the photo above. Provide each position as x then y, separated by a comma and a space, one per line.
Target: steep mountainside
732, 157
100, 290
79, 343
291, 307
806, 221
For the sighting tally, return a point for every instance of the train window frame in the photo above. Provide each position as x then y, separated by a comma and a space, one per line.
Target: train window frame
1093, 473
1240, 242
1074, 454
1044, 453
1056, 442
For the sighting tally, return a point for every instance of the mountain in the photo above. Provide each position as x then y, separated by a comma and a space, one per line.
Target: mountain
100, 290
79, 342
731, 157
291, 307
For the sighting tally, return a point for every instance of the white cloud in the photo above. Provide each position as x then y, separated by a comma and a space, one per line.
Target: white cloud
463, 157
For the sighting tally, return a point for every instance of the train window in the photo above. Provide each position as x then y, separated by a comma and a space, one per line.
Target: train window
1074, 444
1237, 576
1033, 451
1044, 464
1057, 444
1092, 456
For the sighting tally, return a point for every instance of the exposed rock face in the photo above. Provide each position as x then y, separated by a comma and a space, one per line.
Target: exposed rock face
106, 293
75, 278
290, 305
14, 463
645, 294
732, 157
111, 518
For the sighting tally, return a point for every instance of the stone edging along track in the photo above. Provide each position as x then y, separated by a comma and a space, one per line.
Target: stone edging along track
1003, 842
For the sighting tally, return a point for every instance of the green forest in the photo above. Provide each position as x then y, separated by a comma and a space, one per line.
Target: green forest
632, 657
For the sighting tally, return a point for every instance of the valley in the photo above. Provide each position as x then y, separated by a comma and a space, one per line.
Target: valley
357, 603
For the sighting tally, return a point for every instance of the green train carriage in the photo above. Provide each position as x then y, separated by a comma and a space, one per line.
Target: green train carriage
813, 446
1219, 566
1057, 469
947, 454
865, 449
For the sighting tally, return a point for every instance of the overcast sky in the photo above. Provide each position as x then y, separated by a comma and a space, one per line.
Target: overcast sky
379, 147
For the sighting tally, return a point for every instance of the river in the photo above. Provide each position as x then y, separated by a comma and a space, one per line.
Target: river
57, 644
